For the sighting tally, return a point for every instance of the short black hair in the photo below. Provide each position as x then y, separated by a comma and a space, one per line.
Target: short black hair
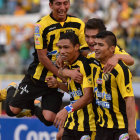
71, 36
51, 1
109, 37
95, 23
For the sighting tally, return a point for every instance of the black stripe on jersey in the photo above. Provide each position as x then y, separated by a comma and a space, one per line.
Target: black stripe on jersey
50, 46
86, 119
95, 109
94, 61
112, 113
71, 97
114, 72
72, 25
122, 108
100, 90
120, 49
94, 72
86, 65
75, 120
126, 73
100, 85
43, 74
69, 121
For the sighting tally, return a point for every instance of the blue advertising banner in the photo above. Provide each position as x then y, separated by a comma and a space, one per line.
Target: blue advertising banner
25, 129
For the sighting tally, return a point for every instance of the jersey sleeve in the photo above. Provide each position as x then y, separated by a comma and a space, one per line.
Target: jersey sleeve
124, 82
38, 33
119, 50
82, 37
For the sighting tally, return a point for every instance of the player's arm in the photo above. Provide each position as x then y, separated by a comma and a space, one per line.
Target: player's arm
44, 60
54, 83
73, 74
126, 91
41, 47
80, 103
130, 110
118, 55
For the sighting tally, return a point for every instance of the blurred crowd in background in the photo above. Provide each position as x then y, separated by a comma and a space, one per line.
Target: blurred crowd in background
16, 40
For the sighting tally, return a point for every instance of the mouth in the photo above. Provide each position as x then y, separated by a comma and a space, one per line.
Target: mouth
97, 53
64, 57
61, 13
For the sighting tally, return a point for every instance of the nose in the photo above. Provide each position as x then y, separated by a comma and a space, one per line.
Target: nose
62, 6
90, 40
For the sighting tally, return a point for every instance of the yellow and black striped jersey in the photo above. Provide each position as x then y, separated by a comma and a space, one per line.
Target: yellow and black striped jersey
110, 91
118, 50
46, 35
82, 119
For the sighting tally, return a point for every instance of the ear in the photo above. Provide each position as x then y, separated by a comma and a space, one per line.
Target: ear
112, 49
50, 5
77, 47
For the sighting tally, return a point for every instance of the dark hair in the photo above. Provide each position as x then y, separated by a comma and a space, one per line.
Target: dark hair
95, 23
71, 36
109, 37
51, 1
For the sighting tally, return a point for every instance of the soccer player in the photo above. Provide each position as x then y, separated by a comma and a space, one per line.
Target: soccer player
113, 93
47, 33
80, 121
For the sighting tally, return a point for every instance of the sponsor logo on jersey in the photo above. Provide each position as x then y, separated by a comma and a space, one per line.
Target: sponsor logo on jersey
52, 52
99, 81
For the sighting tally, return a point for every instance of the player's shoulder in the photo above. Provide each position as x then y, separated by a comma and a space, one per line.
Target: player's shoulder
75, 19
121, 66
45, 21
91, 55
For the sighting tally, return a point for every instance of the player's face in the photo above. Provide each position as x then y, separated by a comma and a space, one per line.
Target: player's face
60, 9
102, 50
67, 50
90, 35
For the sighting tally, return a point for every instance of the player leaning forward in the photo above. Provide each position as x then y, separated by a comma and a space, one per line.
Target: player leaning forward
114, 96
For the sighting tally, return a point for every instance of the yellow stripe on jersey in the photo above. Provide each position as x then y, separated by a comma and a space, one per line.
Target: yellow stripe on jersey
110, 94
83, 119
46, 35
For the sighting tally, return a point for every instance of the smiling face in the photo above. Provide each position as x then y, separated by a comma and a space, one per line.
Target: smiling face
68, 52
60, 9
90, 35
102, 50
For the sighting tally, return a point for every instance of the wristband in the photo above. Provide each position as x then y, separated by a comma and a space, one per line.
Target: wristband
69, 108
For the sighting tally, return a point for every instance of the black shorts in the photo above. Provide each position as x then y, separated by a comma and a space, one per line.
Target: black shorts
29, 89
75, 135
111, 134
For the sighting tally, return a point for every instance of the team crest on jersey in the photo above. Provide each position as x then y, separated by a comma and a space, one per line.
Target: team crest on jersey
128, 89
106, 76
89, 81
124, 136
99, 81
